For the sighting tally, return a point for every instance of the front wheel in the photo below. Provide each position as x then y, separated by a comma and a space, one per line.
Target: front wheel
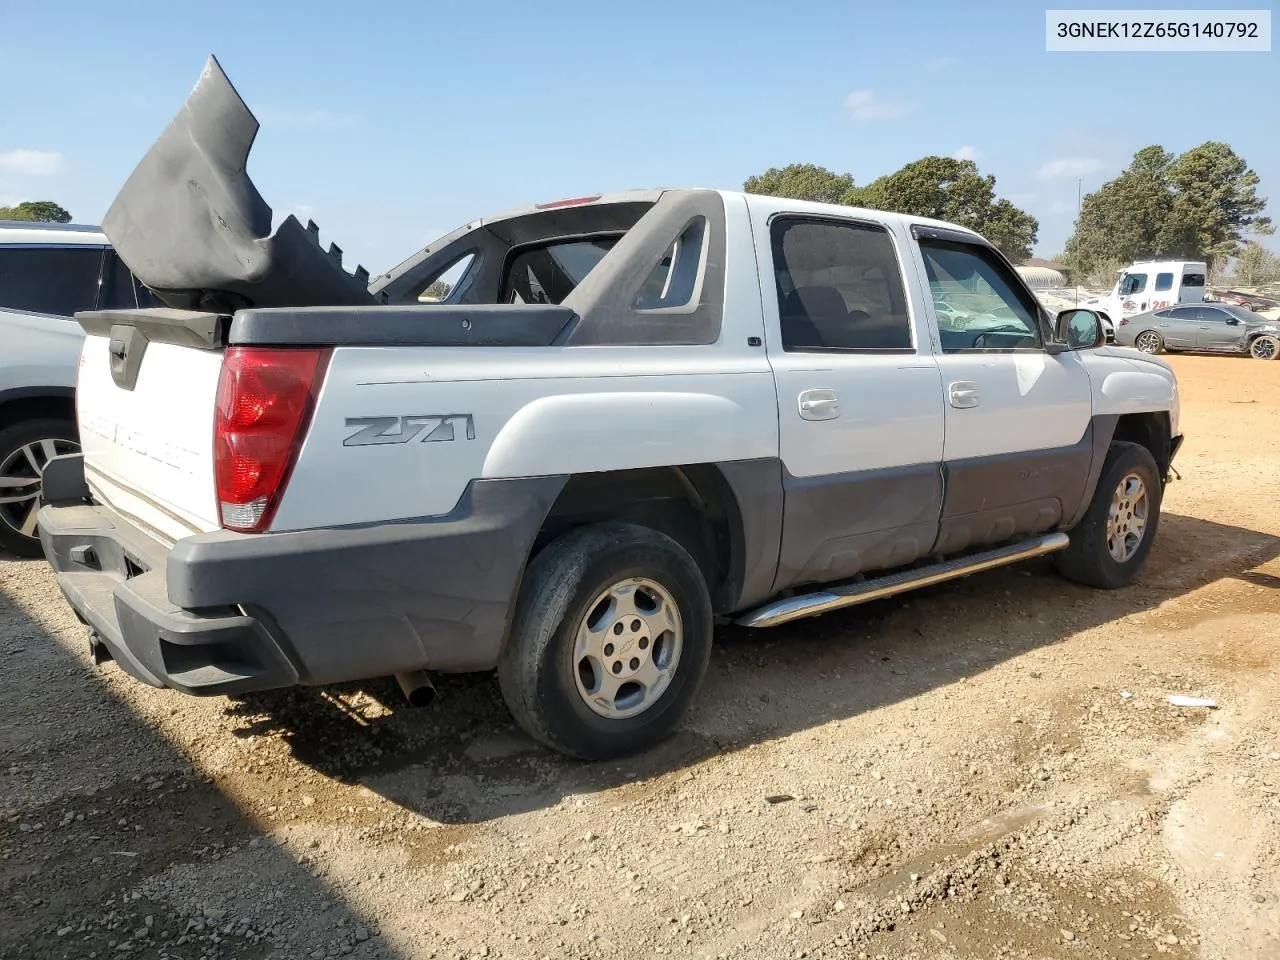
610, 641
1110, 545
1149, 342
1264, 348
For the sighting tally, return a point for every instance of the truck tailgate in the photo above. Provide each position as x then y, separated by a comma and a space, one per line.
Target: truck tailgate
146, 412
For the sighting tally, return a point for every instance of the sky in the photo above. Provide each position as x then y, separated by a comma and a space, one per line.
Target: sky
391, 122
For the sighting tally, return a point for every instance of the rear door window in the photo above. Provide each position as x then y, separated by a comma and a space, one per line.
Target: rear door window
49, 279
1193, 279
120, 289
839, 287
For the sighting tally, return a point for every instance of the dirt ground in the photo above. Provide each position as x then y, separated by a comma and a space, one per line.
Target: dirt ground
989, 769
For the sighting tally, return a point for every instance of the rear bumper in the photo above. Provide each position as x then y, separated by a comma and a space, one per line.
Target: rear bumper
223, 613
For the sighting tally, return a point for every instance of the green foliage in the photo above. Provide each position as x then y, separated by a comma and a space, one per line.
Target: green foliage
1197, 206
436, 290
1256, 266
42, 211
801, 181
949, 189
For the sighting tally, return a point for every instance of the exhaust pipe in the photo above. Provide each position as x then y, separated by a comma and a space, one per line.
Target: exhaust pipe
417, 687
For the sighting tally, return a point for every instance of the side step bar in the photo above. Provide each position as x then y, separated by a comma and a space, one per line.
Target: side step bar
847, 595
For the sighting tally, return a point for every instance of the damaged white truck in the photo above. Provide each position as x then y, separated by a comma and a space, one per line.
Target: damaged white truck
633, 416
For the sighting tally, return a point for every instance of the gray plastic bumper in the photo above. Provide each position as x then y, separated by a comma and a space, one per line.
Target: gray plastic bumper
222, 612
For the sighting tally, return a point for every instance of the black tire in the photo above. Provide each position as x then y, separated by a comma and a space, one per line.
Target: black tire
14, 513
1152, 337
1265, 347
1088, 560
536, 670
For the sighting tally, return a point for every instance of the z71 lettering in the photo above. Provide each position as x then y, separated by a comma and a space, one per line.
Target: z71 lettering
439, 429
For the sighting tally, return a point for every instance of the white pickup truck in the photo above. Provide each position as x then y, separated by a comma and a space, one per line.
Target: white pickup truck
633, 415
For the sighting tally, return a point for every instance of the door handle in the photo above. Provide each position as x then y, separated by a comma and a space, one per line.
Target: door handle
819, 405
963, 394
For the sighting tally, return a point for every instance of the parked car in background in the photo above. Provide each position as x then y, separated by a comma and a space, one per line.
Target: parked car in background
48, 271
1208, 328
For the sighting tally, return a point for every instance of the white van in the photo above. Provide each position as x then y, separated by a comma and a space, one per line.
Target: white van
1154, 285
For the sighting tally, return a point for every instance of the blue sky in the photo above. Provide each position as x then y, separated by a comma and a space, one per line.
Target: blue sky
390, 123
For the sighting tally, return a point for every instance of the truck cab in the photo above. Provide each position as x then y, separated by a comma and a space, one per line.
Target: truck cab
1154, 285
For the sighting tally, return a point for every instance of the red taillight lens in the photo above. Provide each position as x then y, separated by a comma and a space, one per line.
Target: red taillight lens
265, 399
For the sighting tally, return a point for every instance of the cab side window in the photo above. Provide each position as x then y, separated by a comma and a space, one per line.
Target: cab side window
996, 312
839, 287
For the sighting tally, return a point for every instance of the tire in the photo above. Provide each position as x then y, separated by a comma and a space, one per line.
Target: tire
1089, 559
547, 679
25, 447
1148, 341
1264, 347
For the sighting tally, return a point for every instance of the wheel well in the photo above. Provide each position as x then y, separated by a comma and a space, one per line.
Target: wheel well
691, 504
1151, 430
31, 407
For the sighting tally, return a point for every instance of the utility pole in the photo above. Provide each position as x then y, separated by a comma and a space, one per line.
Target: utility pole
1076, 268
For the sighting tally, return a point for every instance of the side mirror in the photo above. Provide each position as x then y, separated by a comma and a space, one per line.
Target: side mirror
1233, 321
1079, 329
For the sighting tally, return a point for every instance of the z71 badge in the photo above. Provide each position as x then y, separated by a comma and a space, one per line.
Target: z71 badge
439, 428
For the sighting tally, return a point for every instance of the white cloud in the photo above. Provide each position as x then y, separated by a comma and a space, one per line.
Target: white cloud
1067, 167
966, 152
30, 163
317, 118
866, 105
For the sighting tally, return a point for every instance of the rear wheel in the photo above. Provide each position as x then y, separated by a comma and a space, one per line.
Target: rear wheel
610, 641
1110, 545
1149, 342
25, 449
1264, 348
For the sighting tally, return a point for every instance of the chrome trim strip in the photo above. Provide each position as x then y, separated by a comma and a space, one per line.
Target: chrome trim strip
836, 597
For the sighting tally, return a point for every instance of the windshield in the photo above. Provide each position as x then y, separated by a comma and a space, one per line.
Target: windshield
1131, 283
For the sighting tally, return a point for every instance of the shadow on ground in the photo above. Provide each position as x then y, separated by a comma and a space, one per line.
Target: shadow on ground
112, 844
463, 761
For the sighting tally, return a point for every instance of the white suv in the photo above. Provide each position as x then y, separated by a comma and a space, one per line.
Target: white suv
48, 271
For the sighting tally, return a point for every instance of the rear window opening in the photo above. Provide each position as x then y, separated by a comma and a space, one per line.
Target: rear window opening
549, 272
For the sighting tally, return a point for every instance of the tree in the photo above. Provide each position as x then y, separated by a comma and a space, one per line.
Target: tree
1257, 265
801, 181
949, 189
436, 290
43, 211
1197, 206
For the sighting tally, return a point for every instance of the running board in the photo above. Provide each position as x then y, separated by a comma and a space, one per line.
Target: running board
863, 591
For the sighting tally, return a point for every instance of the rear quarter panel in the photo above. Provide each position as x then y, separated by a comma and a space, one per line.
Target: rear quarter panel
38, 351
531, 412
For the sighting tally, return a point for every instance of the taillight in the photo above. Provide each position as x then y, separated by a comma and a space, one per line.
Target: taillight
1124, 321
265, 399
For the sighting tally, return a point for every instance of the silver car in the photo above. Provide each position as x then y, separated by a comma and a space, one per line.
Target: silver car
1203, 327
48, 271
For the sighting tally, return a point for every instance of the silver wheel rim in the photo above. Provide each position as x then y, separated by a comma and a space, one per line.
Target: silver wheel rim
1127, 518
1148, 342
627, 648
1264, 348
21, 473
